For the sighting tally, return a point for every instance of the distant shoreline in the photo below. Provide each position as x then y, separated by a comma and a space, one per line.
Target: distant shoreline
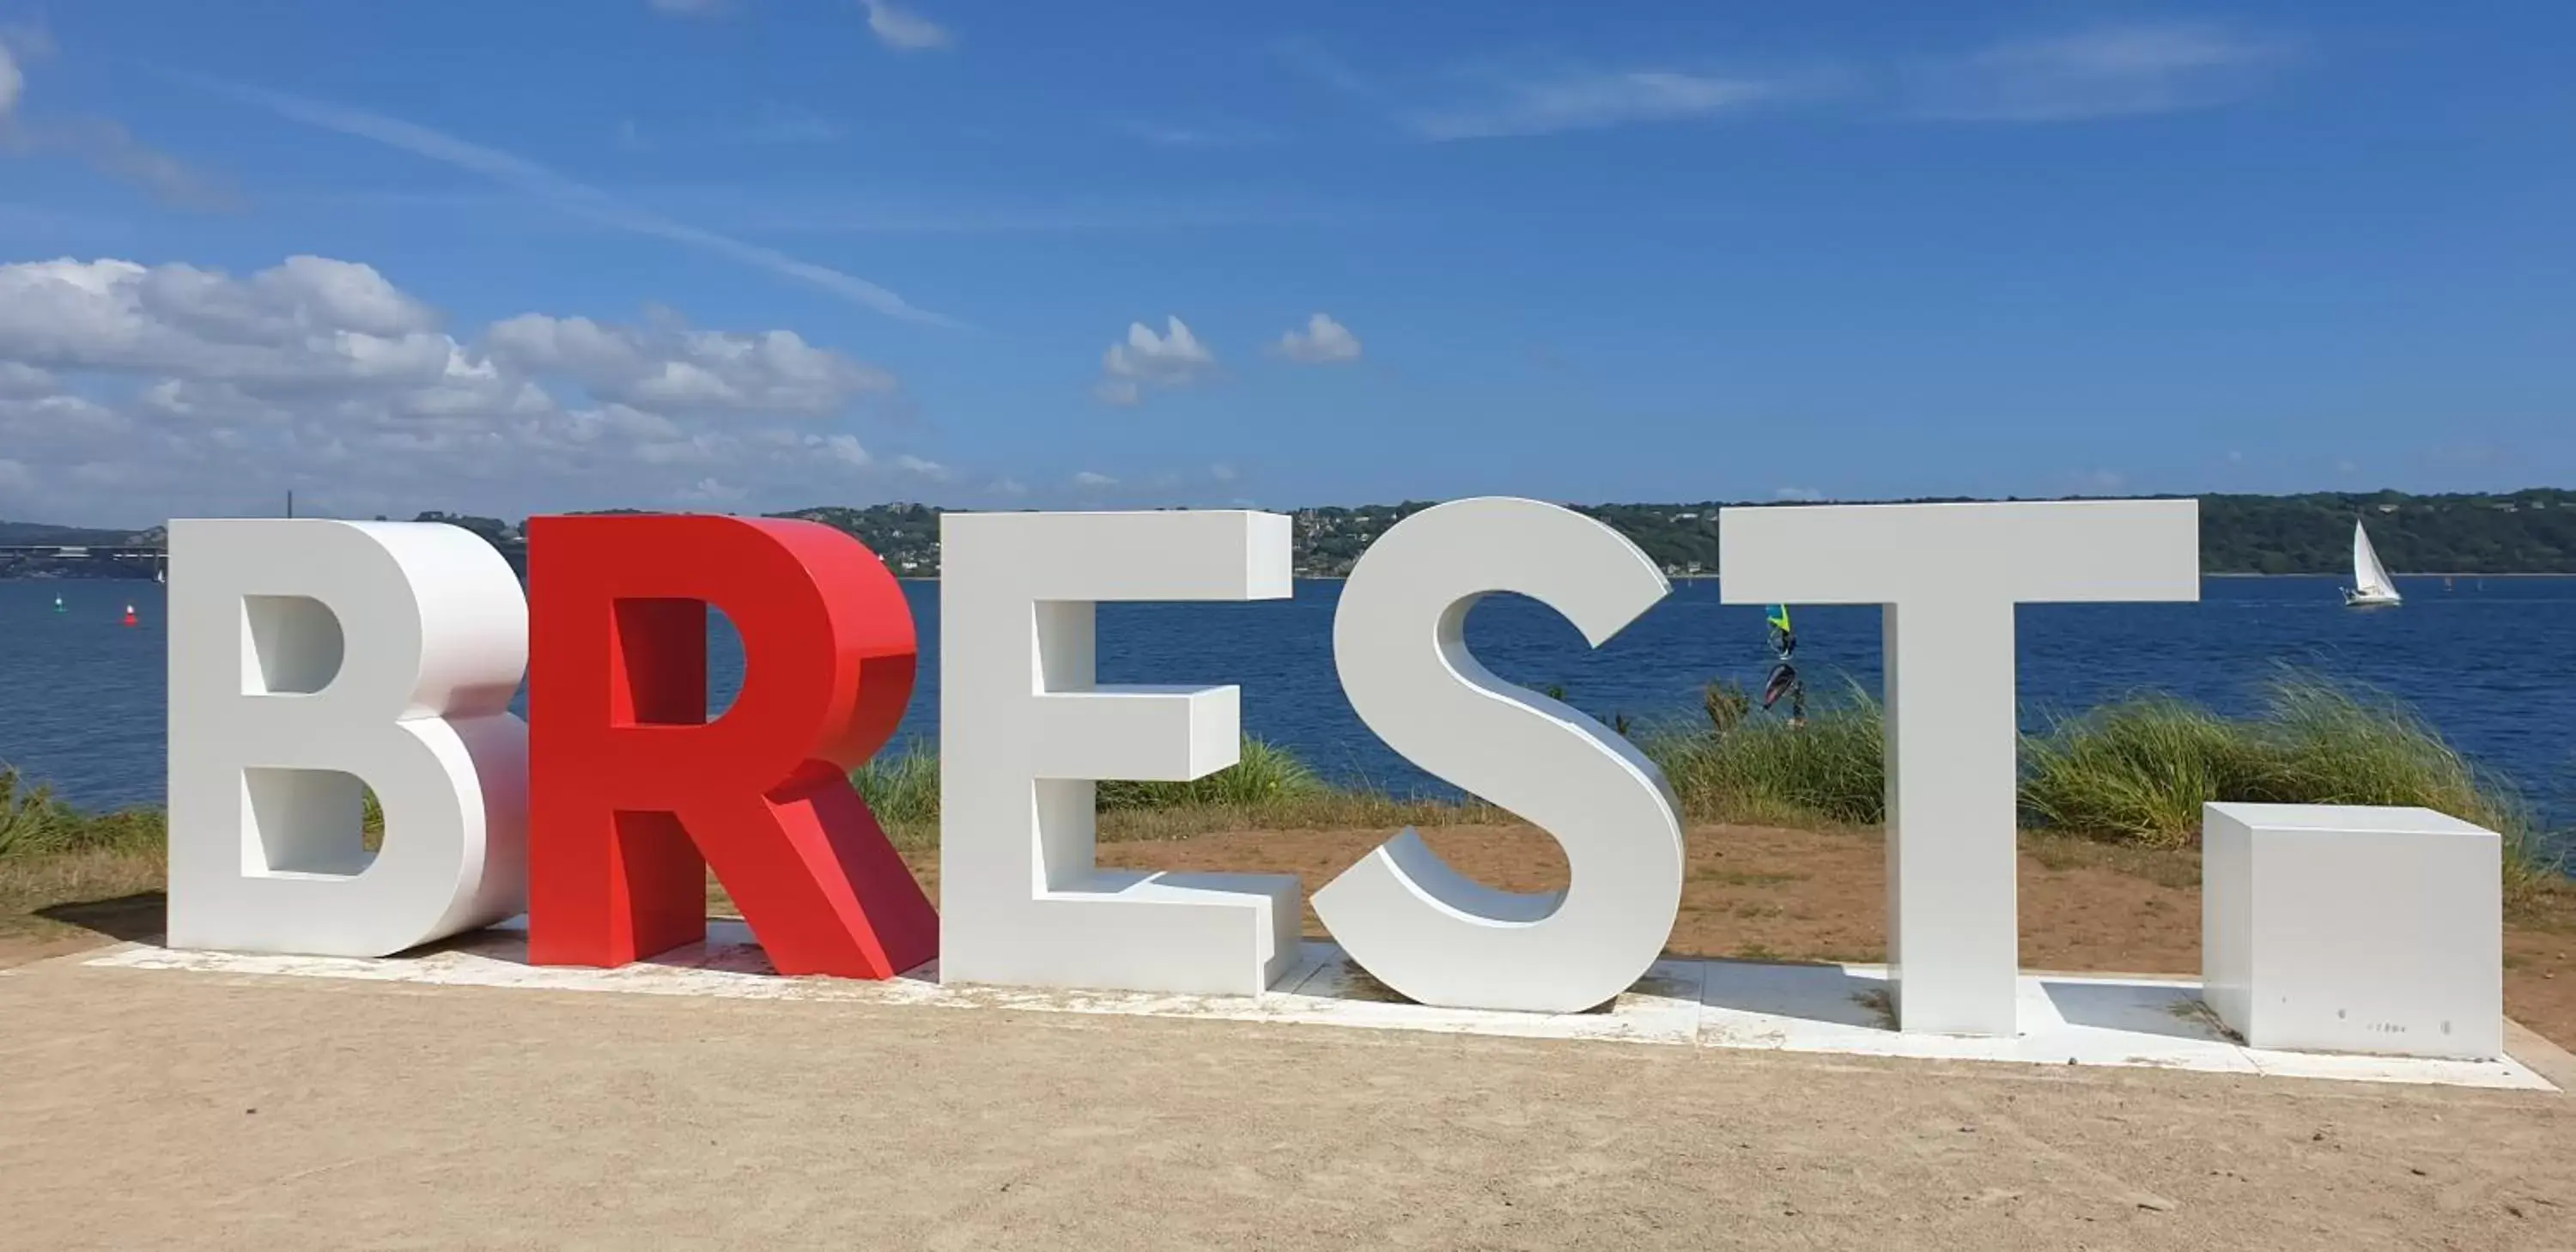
1334, 578
2426, 574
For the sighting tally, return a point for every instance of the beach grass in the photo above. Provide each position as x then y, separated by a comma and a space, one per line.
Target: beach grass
1747, 767
2138, 771
2133, 773
33, 824
52, 854
1268, 788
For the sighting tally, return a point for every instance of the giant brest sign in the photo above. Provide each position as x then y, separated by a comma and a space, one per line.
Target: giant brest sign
311, 658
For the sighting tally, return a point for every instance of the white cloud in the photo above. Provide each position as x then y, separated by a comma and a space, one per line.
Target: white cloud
1323, 342
924, 467
562, 194
2102, 71
13, 82
1593, 100
208, 392
103, 145
1223, 473
307, 321
676, 369
1488, 100
1089, 479
1171, 359
2112, 71
1175, 353
710, 490
1009, 487
1798, 493
20, 379
842, 448
896, 27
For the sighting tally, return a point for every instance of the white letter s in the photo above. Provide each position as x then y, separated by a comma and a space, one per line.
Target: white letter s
1399, 642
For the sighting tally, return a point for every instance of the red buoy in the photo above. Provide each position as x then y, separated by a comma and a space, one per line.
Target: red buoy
129, 615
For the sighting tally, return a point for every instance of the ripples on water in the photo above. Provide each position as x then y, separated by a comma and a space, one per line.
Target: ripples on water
2491, 662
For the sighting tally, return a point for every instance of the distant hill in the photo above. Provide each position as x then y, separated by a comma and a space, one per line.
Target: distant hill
2522, 532
16, 533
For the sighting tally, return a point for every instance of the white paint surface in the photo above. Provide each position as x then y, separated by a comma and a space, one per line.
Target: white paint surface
1826, 1009
1399, 641
2344, 928
309, 657
1949, 576
1026, 728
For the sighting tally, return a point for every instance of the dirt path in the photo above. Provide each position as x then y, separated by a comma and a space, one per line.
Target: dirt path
160, 1110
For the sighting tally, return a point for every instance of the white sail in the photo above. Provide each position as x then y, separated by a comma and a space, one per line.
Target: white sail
2369, 577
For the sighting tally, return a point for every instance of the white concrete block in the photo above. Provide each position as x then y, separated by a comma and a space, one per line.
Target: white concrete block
2345, 928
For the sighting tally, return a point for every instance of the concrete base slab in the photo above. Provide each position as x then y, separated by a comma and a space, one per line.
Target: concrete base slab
2065, 1019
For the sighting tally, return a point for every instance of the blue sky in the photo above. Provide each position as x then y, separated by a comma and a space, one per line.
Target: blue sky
755, 254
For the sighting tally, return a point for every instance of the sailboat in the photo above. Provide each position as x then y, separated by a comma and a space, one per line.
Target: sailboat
2370, 588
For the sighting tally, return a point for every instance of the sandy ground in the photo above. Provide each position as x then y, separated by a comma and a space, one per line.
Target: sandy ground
158, 1110
1753, 892
1761, 893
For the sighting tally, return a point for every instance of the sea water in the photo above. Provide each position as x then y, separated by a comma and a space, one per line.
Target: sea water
2491, 663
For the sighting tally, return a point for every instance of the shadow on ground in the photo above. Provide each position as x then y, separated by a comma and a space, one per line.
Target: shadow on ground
130, 918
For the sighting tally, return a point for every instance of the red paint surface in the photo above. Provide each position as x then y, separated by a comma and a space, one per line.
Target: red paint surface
633, 793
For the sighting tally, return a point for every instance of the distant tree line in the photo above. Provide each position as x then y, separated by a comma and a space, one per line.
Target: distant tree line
2523, 532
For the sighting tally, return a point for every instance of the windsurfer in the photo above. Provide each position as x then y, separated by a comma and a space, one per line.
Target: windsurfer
1784, 680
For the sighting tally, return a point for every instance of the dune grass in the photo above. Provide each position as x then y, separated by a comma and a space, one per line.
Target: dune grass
34, 824
1268, 788
2138, 771
2130, 774
902, 789
1747, 768
52, 854
2133, 772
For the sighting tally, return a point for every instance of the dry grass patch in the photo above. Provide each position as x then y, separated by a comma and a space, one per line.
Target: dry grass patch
66, 902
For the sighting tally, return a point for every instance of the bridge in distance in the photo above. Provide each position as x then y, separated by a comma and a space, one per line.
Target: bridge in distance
150, 559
